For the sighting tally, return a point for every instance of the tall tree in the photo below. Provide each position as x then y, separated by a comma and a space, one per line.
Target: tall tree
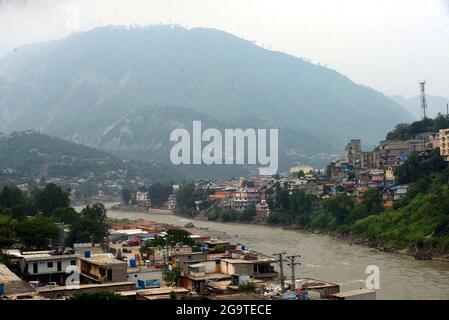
50, 198
37, 232
11, 196
126, 196
7, 231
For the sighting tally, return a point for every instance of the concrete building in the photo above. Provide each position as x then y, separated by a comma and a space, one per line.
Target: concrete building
143, 199
145, 277
182, 260
250, 263
102, 268
245, 198
12, 284
444, 144
262, 210
45, 267
392, 153
353, 153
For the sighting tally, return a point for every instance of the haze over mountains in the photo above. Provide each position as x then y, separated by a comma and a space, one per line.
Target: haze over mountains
123, 90
435, 105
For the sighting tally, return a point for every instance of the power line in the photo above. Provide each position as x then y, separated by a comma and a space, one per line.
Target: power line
281, 269
292, 264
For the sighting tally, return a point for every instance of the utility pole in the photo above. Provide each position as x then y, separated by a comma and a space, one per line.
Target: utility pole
292, 264
281, 269
447, 109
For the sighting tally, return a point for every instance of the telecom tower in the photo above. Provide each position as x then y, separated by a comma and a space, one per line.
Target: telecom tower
423, 99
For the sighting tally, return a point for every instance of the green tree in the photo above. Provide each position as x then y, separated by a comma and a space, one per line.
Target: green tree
126, 196
171, 277
67, 215
50, 198
11, 197
92, 225
7, 231
373, 201
159, 194
339, 206
96, 211
37, 231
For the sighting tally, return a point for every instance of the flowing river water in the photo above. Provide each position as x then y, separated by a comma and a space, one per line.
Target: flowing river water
326, 258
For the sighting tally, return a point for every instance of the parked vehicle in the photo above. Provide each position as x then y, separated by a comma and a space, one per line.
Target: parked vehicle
34, 284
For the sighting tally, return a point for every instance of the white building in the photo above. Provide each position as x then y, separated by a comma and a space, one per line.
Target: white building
45, 267
245, 198
142, 196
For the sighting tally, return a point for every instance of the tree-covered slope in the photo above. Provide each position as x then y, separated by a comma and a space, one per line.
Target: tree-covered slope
30, 155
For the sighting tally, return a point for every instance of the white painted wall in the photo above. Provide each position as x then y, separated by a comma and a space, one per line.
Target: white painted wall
144, 275
44, 268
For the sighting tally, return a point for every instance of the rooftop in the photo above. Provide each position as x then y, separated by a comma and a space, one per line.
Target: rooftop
216, 241
103, 259
161, 291
13, 284
353, 293
47, 256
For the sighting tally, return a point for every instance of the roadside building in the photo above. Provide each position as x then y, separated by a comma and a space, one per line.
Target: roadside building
182, 260
249, 263
213, 244
144, 276
45, 267
102, 268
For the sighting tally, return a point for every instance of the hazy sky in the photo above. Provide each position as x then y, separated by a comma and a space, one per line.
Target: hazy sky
387, 44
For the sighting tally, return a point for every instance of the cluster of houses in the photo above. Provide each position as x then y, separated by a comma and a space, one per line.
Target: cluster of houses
216, 271
357, 170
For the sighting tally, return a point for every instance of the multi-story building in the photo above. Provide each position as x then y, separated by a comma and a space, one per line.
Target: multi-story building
392, 153
245, 198
262, 210
444, 144
102, 268
353, 153
143, 198
172, 197
45, 267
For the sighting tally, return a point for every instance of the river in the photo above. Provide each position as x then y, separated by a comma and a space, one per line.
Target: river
326, 258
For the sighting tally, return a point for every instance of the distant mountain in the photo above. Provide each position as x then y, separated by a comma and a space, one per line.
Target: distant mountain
124, 90
435, 105
28, 156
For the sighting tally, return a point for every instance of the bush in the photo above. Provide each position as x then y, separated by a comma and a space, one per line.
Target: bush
247, 287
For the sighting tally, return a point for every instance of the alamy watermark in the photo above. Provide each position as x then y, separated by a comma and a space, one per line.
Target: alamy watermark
231, 149
373, 280
73, 280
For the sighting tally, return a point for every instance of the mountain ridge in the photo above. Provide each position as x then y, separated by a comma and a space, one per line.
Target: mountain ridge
78, 87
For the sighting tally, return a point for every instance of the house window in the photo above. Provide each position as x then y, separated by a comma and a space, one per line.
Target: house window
50, 264
73, 262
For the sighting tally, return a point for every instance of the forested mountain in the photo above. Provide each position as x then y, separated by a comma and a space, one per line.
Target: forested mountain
124, 89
